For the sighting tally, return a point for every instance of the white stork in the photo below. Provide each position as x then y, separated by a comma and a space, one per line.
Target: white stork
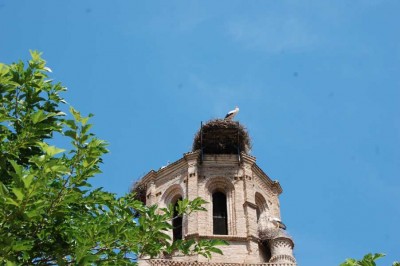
278, 223
231, 114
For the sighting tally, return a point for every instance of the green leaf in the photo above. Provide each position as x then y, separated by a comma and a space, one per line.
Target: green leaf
50, 150
36, 56
22, 245
3, 69
219, 242
10, 201
33, 213
84, 120
86, 128
71, 124
59, 168
76, 114
17, 168
378, 256
71, 133
3, 189
38, 116
17, 192
368, 260
27, 180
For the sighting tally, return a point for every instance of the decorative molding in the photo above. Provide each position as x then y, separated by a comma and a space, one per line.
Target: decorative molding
263, 188
222, 237
282, 259
246, 158
249, 204
267, 180
172, 193
171, 262
189, 156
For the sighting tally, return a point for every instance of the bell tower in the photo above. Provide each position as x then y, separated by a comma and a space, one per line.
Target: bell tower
243, 202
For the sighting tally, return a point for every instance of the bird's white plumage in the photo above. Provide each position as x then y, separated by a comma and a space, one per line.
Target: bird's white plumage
231, 114
277, 222
275, 219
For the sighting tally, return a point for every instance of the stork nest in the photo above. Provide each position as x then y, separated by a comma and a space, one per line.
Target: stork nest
272, 233
221, 136
139, 191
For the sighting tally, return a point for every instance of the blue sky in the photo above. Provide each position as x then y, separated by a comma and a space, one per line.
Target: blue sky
317, 83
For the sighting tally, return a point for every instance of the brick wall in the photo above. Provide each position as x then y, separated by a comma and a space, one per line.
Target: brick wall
240, 181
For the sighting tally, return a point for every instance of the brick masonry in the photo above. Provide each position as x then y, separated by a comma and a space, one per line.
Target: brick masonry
247, 189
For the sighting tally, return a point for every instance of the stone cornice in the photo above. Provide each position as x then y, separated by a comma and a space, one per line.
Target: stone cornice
253, 238
248, 158
189, 156
182, 162
150, 176
171, 168
165, 171
222, 160
222, 237
274, 185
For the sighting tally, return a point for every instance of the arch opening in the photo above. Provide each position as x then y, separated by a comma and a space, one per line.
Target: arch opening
262, 212
177, 223
220, 213
262, 207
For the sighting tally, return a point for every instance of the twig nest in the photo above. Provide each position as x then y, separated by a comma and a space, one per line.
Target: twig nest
140, 191
222, 137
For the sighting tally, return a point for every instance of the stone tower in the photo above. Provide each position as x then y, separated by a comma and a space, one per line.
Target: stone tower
243, 205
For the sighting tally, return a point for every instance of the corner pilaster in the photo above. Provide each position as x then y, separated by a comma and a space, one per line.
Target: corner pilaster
192, 160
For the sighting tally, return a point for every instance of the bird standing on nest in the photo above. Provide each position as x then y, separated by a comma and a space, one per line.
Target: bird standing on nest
278, 223
231, 114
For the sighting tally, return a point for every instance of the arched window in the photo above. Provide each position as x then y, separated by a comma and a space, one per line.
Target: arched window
262, 213
261, 204
220, 214
176, 223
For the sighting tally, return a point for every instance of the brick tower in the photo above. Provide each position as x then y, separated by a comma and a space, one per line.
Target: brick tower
243, 205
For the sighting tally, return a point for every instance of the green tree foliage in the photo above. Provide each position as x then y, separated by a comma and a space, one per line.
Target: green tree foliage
368, 260
50, 215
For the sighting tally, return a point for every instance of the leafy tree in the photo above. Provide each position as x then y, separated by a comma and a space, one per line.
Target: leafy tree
368, 260
49, 214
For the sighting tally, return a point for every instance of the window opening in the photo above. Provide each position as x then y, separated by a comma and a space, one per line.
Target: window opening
220, 216
265, 251
176, 223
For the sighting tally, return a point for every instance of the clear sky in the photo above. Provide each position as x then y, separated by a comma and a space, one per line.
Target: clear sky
317, 83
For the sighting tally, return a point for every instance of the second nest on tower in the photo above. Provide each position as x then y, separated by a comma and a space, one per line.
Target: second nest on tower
221, 136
